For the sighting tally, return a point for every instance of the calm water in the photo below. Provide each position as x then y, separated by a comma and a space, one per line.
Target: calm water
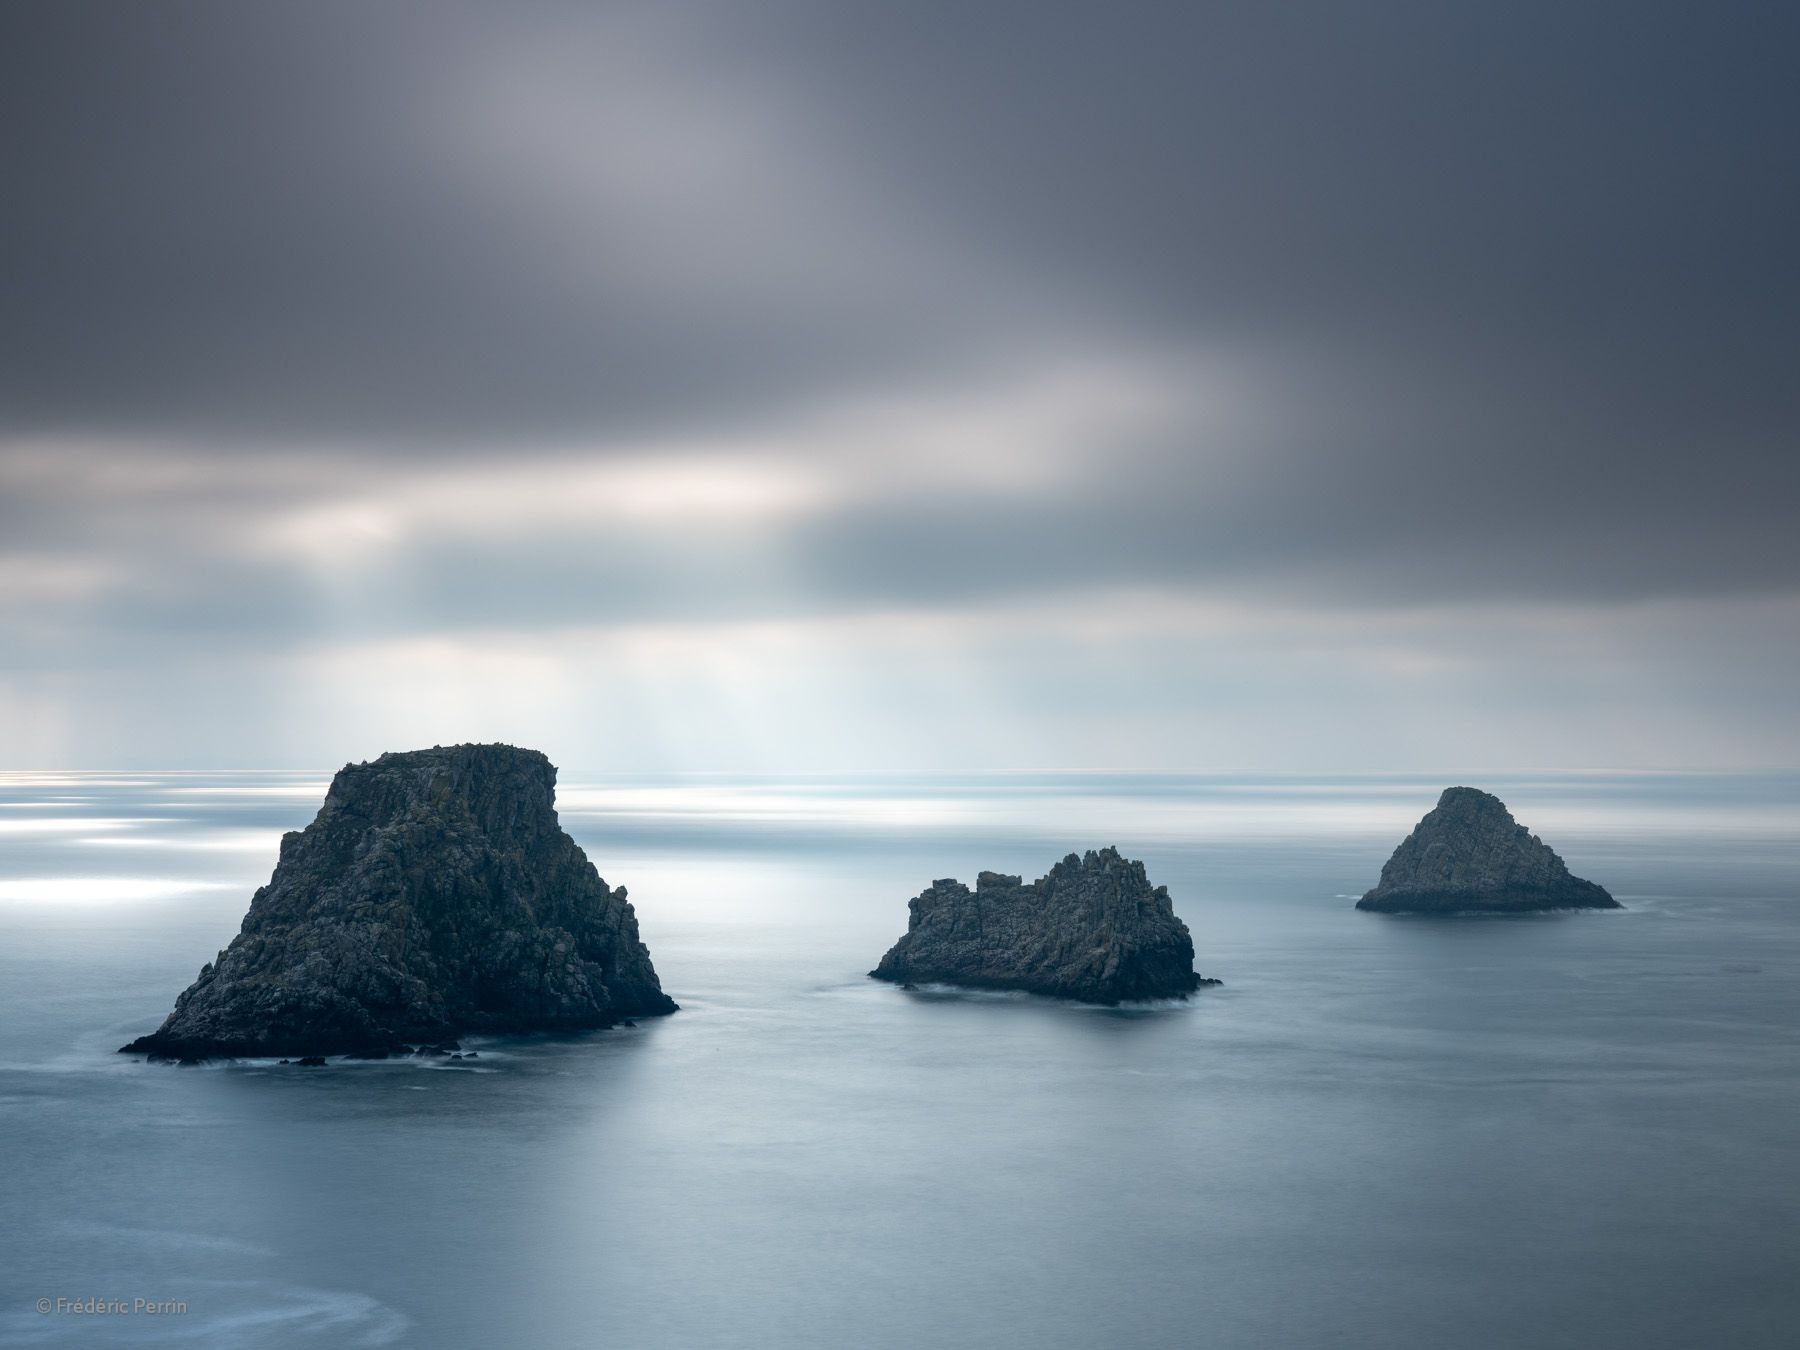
1567, 1130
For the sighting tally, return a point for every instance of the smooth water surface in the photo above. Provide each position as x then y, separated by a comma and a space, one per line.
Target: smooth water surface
1574, 1130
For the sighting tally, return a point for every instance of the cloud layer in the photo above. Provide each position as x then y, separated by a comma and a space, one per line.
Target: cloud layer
792, 385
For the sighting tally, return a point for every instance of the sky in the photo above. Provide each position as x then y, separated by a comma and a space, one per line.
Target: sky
803, 387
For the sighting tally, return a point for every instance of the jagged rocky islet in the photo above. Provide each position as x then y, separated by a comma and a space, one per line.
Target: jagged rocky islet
435, 894
1092, 929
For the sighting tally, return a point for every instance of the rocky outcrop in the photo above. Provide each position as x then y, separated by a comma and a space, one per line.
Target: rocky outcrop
1469, 855
434, 894
1093, 929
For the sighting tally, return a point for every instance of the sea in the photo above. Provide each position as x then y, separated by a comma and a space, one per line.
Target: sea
1404, 1133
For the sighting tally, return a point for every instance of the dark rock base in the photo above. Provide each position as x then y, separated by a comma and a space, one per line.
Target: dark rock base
438, 1040
1577, 894
1155, 991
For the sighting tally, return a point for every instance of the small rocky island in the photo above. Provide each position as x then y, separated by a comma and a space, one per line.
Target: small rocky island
434, 894
1468, 855
1093, 929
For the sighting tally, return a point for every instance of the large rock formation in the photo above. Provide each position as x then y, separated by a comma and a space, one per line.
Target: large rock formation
1094, 929
435, 893
1469, 854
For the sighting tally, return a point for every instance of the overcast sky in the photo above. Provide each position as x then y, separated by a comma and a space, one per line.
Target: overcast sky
787, 386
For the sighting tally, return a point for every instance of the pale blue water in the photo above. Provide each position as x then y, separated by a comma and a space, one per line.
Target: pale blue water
1565, 1130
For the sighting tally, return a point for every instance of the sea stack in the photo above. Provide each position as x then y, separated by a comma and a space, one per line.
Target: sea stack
1093, 929
434, 894
1468, 855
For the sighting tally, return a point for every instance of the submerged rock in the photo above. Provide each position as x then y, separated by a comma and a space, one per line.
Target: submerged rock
1469, 855
1093, 929
434, 894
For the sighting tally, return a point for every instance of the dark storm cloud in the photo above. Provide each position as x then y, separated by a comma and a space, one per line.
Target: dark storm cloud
395, 226
1524, 274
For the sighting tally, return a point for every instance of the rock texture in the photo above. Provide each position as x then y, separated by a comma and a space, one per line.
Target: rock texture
434, 894
1094, 929
1470, 855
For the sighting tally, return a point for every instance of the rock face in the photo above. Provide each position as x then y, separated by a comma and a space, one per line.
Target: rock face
1470, 855
435, 893
1094, 929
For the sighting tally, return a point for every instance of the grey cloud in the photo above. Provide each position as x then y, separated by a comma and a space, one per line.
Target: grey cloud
261, 222
394, 228
1515, 285
181, 588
